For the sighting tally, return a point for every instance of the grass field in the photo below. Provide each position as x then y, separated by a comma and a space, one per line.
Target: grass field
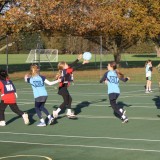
133, 59
131, 64
96, 135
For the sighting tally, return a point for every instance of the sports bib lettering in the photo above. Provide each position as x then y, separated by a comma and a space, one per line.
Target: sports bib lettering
9, 87
38, 84
114, 79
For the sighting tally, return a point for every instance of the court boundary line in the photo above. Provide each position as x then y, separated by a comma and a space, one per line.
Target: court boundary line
82, 137
100, 117
82, 146
39, 156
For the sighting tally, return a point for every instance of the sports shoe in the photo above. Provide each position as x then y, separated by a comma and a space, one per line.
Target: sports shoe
125, 120
41, 124
147, 92
55, 114
50, 120
71, 115
150, 91
25, 118
2, 123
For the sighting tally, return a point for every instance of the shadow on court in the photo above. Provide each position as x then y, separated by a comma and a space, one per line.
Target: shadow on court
80, 106
122, 104
156, 99
157, 103
30, 112
13, 119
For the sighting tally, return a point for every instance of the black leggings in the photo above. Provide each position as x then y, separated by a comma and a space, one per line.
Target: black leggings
113, 97
13, 107
67, 100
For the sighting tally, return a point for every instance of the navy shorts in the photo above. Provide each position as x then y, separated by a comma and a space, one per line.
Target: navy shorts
113, 96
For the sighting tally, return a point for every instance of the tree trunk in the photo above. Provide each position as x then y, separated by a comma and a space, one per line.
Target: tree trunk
157, 50
117, 57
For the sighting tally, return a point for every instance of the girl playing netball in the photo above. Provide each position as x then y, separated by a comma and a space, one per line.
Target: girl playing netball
112, 77
66, 76
148, 66
8, 98
40, 94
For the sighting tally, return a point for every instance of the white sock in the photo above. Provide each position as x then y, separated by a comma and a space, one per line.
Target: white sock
68, 111
49, 116
42, 120
121, 110
123, 116
58, 110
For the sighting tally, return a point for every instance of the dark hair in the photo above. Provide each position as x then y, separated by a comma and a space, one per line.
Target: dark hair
148, 62
113, 65
3, 74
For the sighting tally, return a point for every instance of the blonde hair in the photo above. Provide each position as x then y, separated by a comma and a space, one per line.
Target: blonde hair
60, 67
34, 70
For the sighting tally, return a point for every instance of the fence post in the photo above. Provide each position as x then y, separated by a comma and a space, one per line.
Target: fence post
7, 53
100, 56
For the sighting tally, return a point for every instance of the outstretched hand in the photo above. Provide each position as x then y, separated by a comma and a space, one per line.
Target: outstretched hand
79, 57
128, 78
26, 76
85, 62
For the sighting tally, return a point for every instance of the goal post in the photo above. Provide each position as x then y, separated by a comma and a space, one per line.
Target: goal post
42, 55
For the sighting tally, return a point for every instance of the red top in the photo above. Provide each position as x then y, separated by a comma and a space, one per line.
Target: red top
7, 92
66, 77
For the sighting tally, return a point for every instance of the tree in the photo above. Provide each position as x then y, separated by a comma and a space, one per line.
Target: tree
121, 23
156, 40
125, 24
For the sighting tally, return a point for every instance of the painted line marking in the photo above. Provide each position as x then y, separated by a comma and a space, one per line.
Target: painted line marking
48, 158
102, 117
82, 146
82, 137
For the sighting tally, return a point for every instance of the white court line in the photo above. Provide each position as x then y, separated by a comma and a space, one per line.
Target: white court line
82, 146
93, 105
113, 117
6, 157
82, 137
103, 117
91, 93
122, 95
77, 102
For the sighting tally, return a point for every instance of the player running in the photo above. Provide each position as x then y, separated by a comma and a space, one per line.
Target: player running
40, 94
111, 78
8, 97
65, 74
